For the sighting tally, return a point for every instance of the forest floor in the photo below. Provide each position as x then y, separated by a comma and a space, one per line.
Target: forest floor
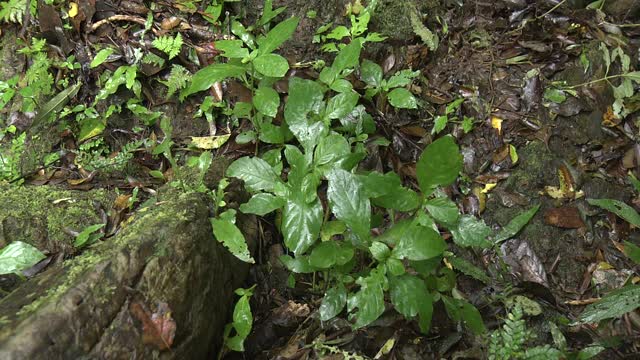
540, 99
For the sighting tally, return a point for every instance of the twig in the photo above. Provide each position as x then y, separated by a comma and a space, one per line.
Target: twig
135, 19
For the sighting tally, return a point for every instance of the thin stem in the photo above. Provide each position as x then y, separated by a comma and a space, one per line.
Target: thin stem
606, 78
551, 10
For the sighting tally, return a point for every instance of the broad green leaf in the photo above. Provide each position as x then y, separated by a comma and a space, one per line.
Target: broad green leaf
348, 57
439, 124
632, 251
91, 127
278, 35
18, 256
619, 208
461, 310
266, 100
305, 98
379, 251
230, 236
401, 199
232, 48
206, 77
376, 184
256, 173
348, 201
471, 232
338, 33
332, 228
409, 294
243, 34
468, 269
301, 223
323, 255
85, 236
395, 267
402, 98
401, 78
589, 352
613, 305
333, 302
439, 164
395, 233
299, 265
443, 210
242, 317
298, 165
272, 65
341, 105
371, 73
331, 149
261, 204
555, 95
419, 243
369, 300
341, 86
515, 225
268, 13
101, 57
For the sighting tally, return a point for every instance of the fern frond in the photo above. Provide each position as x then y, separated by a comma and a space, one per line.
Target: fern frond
168, 45
13, 10
177, 80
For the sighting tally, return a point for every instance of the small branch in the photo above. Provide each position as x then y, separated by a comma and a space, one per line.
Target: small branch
135, 19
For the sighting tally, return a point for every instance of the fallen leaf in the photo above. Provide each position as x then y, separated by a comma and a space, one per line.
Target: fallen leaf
73, 9
567, 217
209, 142
496, 123
159, 328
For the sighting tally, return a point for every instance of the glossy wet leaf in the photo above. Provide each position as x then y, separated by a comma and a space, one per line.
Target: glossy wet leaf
101, 57
256, 173
401, 199
515, 225
206, 77
379, 251
18, 256
305, 98
419, 243
439, 164
348, 57
402, 98
323, 255
443, 210
619, 208
341, 105
262, 204
232, 48
272, 65
376, 184
231, 237
371, 73
409, 294
298, 265
333, 302
369, 299
555, 95
331, 149
301, 223
277, 35
461, 310
471, 232
266, 100
348, 201
613, 305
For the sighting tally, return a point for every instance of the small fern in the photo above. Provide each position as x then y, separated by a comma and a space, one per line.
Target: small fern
177, 80
13, 10
168, 45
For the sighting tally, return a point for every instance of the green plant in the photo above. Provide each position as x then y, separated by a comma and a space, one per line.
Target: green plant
169, 45
359, 26
88, 236
511, 341
399, 97
10, 158
18, 256
241, 325
177, 79
13, 10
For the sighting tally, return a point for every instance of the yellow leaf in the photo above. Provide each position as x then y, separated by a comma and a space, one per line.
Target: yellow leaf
488, 187
496, 123
513, 154
604, 266
209, 142
73, 9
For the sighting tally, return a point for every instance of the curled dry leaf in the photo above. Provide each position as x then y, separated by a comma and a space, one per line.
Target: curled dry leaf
567, 217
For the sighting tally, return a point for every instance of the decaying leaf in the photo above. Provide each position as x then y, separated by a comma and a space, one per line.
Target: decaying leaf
209, 142
567, 217
159, 328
